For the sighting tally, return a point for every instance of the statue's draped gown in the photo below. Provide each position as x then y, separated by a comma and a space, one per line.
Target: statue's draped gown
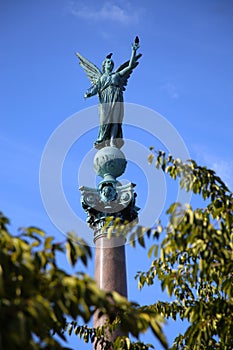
111, 109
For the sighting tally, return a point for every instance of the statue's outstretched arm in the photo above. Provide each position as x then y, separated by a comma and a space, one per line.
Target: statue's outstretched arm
132, 60
135, 46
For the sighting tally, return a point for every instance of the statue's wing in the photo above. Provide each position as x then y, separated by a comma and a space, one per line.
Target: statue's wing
92, 71
126, 76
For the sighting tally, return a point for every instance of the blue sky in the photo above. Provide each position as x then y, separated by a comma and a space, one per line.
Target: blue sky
185, 74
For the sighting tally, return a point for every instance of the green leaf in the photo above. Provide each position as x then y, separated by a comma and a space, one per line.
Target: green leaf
47, 243
150, 158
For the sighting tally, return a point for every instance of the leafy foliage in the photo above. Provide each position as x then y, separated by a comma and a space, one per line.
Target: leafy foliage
194, 264
98, 336
37, 296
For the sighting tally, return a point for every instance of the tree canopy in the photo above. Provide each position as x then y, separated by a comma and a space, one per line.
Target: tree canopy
192, 260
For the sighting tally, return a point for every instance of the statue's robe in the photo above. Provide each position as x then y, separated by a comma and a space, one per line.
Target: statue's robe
111, 110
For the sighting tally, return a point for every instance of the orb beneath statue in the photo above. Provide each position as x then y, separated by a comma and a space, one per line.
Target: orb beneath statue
109, 163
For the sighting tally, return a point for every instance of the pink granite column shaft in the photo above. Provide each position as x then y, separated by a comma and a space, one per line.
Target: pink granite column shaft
110, 271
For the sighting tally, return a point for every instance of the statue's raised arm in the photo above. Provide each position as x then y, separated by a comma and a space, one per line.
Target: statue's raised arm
109, 86
128, 66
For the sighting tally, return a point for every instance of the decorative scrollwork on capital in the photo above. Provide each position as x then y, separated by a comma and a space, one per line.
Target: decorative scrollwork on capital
109, 200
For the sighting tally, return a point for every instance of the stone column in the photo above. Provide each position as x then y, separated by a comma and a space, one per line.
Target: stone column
110, 264
110, 271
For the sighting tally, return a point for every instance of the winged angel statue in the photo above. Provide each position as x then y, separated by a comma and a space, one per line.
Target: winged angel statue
109, 86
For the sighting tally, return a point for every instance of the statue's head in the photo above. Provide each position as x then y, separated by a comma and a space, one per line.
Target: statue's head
108, 64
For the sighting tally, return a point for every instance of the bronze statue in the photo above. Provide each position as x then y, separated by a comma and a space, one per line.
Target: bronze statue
109, 86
